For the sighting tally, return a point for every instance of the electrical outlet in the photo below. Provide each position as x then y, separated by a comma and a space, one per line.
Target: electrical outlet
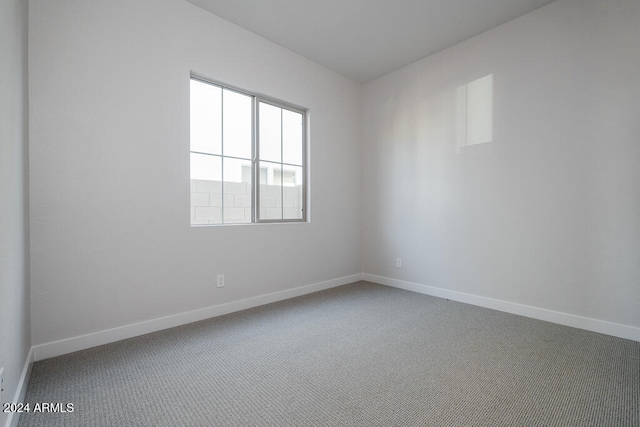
220, 282
399, 262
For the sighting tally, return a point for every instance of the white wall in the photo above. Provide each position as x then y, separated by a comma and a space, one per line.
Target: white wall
110, 236
15, 339
548, 213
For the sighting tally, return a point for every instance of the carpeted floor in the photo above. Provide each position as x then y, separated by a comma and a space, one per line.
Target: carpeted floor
357, 355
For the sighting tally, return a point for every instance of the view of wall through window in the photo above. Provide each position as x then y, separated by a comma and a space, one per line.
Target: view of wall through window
247, 157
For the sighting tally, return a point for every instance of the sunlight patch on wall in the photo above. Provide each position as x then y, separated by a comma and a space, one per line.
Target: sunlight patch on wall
474, 112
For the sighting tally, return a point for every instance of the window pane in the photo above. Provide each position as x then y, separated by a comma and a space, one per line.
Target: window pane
206, 118
270, 190
270, 128
237, 124
292, 202
206, 189
237, 191
205, 167
292, 137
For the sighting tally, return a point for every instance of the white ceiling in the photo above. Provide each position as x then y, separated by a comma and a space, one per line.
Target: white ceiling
365, 39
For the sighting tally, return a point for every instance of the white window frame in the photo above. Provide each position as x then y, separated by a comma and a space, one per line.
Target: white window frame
256, 99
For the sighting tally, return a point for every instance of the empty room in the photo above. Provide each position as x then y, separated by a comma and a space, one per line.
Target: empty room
319, 213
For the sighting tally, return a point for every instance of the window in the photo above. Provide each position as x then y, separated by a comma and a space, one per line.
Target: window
247, 157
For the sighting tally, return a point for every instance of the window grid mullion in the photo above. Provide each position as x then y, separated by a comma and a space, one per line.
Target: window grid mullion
257, 161
281, 167
254, 148
222, 155
226, 157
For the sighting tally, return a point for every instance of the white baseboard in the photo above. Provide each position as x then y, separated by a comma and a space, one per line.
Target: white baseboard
594, 325
21, 391
69, 345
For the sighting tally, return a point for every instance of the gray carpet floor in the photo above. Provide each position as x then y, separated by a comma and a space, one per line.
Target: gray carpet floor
357, 355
